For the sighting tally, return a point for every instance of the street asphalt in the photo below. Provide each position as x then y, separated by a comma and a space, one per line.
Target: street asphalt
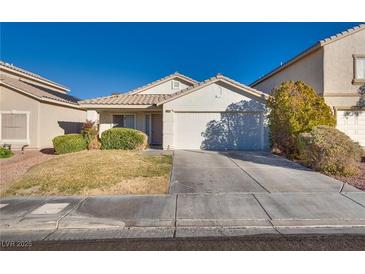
213, 195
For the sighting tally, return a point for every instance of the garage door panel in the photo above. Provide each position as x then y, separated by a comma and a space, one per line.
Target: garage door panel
218, 131
353, 124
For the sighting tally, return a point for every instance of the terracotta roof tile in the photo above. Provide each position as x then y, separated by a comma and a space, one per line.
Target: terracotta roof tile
128, 99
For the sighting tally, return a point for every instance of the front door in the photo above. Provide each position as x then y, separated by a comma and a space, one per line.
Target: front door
156, 134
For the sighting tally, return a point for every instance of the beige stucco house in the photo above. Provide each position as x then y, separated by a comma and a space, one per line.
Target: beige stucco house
335, 68
177, 112
33, 109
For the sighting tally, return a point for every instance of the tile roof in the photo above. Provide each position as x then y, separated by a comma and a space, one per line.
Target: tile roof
304, 53
11, 66
342, 34
158, 99
128, 99
40, 92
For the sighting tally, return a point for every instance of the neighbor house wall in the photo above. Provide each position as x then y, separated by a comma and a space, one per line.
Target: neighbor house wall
58, 120
11, 100
165, 88
309, 70
339, 88
46, 121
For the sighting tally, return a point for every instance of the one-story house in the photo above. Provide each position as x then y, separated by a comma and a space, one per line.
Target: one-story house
34, 110
177, 112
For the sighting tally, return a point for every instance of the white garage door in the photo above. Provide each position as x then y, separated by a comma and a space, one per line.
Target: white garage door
353, 124
219, 131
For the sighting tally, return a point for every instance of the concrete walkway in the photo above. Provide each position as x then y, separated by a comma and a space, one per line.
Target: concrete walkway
212, 195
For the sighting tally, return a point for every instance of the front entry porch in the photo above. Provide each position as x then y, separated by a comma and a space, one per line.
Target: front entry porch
149, 122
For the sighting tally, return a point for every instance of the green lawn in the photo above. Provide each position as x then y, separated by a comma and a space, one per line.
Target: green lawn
96, 172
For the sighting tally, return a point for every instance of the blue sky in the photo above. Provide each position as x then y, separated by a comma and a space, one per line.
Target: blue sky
96, 59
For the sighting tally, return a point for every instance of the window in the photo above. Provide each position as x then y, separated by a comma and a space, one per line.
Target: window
359, 68
125, 120
175, 84
14, 127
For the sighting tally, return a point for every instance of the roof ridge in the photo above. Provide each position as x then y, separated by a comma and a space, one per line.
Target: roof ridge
11, 66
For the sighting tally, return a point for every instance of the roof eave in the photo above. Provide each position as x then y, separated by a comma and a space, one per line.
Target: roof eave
37, 79
291, 61
40, 98
310, 50
116, 106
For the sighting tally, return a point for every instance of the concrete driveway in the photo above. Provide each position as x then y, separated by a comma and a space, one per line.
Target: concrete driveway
197, 171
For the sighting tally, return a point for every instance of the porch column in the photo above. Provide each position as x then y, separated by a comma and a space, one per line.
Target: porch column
167, 128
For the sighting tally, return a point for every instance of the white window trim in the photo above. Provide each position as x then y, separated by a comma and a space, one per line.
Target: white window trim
357, 80
118, 113
15, 141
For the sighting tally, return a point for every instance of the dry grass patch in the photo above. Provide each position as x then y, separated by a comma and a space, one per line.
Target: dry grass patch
96, 172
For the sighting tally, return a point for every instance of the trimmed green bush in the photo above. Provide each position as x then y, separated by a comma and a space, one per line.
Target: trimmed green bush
5, 153
69, 143
331, 151
295, 108
123, 138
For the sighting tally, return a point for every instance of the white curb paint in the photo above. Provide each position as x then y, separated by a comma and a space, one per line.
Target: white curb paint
3, 205
50, 208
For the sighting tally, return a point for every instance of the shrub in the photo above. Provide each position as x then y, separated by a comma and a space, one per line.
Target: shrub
90, 133
331, 151
123, 138
295, 108
5, 153
69, 143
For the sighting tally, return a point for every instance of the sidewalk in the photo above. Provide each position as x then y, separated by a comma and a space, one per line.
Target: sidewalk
181, 216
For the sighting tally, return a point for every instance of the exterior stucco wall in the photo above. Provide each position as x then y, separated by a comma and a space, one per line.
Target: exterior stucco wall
339, 89
58, 120
165, 88
309, 70
339, 64
213, 97
13, 101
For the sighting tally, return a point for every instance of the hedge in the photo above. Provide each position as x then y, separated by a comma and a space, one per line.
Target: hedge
123, 138
69, 143
295, 108
331, 151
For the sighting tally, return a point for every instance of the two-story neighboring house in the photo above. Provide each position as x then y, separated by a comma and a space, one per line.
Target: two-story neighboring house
34, 110
335, 68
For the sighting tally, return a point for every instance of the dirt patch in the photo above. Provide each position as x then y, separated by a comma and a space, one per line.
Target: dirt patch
357, 181
14, 167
